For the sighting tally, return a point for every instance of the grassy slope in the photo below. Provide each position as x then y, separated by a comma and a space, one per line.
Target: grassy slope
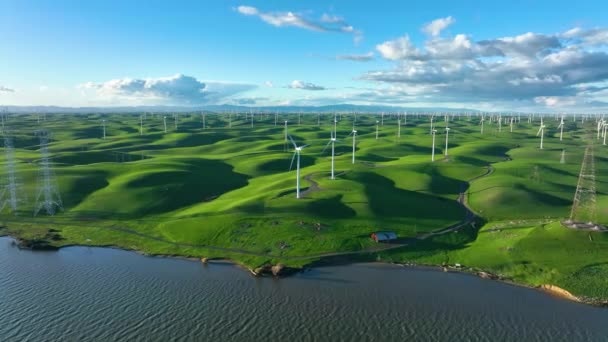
178, 192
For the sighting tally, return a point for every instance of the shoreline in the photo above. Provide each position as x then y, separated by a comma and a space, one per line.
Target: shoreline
281, 271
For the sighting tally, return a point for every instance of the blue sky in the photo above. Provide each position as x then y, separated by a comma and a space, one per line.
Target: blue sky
516, 55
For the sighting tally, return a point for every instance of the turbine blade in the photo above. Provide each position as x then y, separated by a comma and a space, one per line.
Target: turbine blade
326, 146
292, 159
293, 142
540, 129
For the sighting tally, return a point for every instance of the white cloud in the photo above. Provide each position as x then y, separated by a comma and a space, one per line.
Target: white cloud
556, 101
4, 89
401, 48
533, 68
596, 36
297, 84
366, 57
269, 84
178, 89
435, 27
326, 23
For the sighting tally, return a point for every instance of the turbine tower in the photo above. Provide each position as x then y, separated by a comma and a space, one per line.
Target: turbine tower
447, 134
481, 123
377, 129
165, 122
141, 125
561, 128
298, 150
354, 134
103, 122
332, 142
541, 132
48, 197
398, 129
433, 150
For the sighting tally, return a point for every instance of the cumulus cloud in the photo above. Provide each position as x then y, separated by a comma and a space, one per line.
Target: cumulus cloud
4, 89
269, 84
596, 36
543, 69
366, 57
177, 89
327, 23
297, 84
435, 27
401, 48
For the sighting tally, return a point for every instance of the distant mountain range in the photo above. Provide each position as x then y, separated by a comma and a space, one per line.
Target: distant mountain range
222, 108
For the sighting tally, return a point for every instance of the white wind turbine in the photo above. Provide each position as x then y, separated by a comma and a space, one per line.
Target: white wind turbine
511, 124
165, 122
605, 125
354, 134
447, 134
398, 128
499, 123
104, 127
377, 122
332, 141
541, 133
296, 153
561, 128
600, 124
432, 116
433, 150
481, 123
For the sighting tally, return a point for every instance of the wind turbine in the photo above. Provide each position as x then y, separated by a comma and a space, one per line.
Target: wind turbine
296, 153
104, 127
432, 116
561, 128
165, 122
354, 134
398, 128
511, 124
604, 133
499, 123
447, 134
541, 132
481, 122
377, 129
332, 141
600, 123
433, 150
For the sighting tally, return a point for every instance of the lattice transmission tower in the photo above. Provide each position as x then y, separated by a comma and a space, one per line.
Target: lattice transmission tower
9, 195
584, 203
48, 197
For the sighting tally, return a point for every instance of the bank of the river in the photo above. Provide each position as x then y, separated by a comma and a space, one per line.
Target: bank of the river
280, 269
83, 293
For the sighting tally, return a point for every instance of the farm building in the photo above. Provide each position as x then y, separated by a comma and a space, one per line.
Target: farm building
384, 236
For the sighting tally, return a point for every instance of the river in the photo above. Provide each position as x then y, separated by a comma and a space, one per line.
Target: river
103, 294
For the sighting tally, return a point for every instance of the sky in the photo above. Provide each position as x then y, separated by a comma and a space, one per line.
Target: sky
549, 56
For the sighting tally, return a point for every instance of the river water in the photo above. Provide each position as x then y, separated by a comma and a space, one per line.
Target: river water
102, 294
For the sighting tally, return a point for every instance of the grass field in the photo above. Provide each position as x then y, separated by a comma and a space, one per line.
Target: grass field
226, 191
